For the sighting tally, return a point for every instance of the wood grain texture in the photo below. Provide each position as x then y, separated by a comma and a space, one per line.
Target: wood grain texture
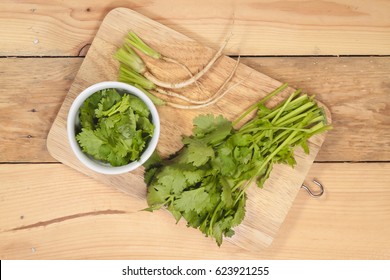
354, 88
265, 209
357, 91
286, 27
45, 214
49, 211
31, 93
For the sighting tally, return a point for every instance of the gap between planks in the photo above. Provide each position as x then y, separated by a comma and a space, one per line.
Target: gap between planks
232, 56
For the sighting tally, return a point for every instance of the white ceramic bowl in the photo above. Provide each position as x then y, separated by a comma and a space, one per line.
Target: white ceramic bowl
73, 121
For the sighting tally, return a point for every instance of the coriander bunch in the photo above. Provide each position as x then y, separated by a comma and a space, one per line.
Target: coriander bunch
206, 181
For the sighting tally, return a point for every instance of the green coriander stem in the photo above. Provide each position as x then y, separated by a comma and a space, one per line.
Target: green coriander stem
127, 56
254, 130
297, 111
285, 105
254, 106
293, 119
320, 129
137, 42
128, 75
213, 217
205, 220
296, 103
156, 101
238, 185
281, 146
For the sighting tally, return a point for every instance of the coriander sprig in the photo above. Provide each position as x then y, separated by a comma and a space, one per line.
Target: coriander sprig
206, 181
133, 70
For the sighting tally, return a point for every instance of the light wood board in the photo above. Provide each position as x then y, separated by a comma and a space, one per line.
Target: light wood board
262, 27
266, 208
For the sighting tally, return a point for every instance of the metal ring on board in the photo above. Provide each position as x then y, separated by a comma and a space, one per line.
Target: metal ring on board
311, 193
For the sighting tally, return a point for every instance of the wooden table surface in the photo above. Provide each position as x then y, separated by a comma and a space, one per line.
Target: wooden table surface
338, 49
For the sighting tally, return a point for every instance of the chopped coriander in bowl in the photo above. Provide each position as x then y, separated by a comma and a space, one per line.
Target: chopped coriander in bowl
113, 127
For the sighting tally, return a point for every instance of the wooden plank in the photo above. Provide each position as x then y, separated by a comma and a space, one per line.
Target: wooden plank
31, 93
354, 88
45, 214
357, 92
259, 226
334, 27
351, 221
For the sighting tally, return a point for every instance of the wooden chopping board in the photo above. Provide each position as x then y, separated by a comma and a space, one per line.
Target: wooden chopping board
267, 207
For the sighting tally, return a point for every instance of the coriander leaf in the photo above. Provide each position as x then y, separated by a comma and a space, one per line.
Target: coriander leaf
265, 175
176, 214
210, 183
215, 199
196, 200
146, 126
139, 106
229, 233
137, 146
198, 154
213, 188
176, 181
158, 195
193, 218
242, 140
153, 208
240, 212
203, 124
149, 174
87, 111
90, 142
116, 159
104, 132
210, 129
226, 195
242, 155
224, 161
154, 161
117, 106
165, 171
110, 97
104, 151
127, 124
111, 121
220, 227
193, 176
